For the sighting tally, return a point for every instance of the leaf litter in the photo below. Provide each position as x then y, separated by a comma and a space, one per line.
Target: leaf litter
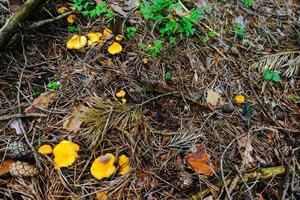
192, 75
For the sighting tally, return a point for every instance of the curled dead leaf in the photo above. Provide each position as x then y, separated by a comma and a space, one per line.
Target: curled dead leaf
42, 102
199, 161
73, 122
5, 166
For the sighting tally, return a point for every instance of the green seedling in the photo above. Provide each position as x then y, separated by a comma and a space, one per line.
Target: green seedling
156, 48
270, 75
91, 9
168, 76
73, 28
130, 32
239, 31
248, 3
53, 85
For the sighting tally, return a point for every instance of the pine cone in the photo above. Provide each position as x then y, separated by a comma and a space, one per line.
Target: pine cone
185, 180
17, 149
22, 169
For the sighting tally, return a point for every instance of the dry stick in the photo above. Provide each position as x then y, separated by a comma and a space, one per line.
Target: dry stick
21, 115
6, 32
46, 21
263, 174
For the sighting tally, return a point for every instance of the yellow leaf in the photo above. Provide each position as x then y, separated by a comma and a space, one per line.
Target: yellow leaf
145, 61
45, 149
114, 48
103, 166
107, 33
71, 18
65, 154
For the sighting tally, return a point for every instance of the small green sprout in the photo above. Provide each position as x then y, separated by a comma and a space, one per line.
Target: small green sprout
130, 32
156, 47
270, 75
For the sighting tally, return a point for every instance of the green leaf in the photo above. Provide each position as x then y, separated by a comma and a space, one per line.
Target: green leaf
73, 28
156, 48
146, 11
239, 31
276, 77
168, 76
130, 32
172, 40
268, 75
53, 85
248, 2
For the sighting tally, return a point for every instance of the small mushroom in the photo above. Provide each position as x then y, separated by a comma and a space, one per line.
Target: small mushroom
114, 48
65, 154
45, 149
239, 99
103, 166
119, 37
121, 94
62, 9
107, 33
94, 38
77, 42
71, 19
124, 164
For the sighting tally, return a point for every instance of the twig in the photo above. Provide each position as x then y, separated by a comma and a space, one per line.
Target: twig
263, 174
21, 115
46, 21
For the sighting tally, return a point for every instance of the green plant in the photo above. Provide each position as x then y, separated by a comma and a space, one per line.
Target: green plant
156, 47
130, 32
239, 30
168, 76
272, 75
248, 2
209, 35
53, 85
171, 18
73, 28
92, 9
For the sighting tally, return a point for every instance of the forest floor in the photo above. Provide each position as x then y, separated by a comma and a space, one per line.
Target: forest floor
203, 99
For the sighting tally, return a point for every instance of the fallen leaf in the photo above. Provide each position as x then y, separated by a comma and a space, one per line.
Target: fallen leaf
5, 166
245, 149
18, 126
102, 195
213, 97
118, 9
73, 122
199, 161
41, 102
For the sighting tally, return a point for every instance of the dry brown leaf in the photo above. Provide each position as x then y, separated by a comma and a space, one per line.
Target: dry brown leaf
245, 149
199, 161
73, 122
213, 97
4, 167
40, 102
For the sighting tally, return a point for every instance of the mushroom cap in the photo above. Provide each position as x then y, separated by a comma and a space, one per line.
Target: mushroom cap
103, 166
124, 164
65, 154
77, 42
119, 37
94, 37
71, 18
114, 48
107, 33
239, 99
45, 149
121, 94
